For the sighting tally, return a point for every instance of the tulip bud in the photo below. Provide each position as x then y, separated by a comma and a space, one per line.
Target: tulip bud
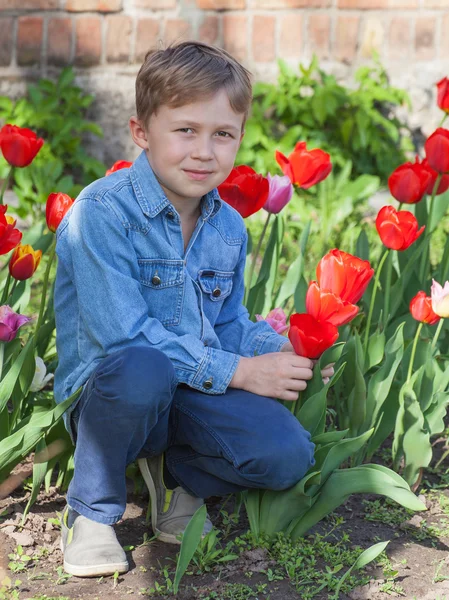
24, 262
277, 319
443, 94
408, 183
421, 309
10, 322
9, 236
437, 150
397, 229
309, 337
440, 299
19, 145
245, 190
40, 378
279, 194
57, 206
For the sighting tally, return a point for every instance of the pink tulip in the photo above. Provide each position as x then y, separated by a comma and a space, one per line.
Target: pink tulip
10, 323
279, 193
277, 319
440, 299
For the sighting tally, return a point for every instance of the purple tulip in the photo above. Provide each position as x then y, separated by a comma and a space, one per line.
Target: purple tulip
10, 323
277, 319
279, 194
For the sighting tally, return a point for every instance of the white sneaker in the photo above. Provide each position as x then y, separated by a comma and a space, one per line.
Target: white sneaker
171, 510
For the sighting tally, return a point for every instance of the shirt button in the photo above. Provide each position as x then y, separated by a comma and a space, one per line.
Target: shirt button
216, 292
170, 215
156, 280
208, 384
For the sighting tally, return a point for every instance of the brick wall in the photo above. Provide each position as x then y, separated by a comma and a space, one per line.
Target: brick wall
106, 40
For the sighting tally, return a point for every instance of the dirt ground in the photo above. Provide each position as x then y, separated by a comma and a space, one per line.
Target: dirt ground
417, 566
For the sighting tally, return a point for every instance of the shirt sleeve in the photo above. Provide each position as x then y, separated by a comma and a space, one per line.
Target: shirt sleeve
235, 330
105, 272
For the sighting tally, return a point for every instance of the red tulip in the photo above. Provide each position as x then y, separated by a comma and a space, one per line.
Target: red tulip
9, 237
305, 168
437, 150
120, 164
309, 337
19, 145
444, 182
421, 309
409, 182
443, 94
397, 229
327, 306
57, 206
24, 261
244, 190
344, 275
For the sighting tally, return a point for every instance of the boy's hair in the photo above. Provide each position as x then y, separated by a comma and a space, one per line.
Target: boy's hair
184, 73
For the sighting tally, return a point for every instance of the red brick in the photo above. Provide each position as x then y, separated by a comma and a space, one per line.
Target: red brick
291, 3
156, 4
6, 27
59, 41
29, 40
88, 41
221, 4
346, 41
378, 4
208, 30
93, 5
177, 30
399, 38
444, 47
263, 38
29, 4
147, 37
235, 35
290, 38
319, 34
118, 38
425, 38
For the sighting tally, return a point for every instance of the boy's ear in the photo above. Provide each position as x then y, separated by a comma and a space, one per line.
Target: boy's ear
138, 133
241, 137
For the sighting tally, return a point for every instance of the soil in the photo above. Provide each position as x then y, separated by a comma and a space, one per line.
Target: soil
417, 554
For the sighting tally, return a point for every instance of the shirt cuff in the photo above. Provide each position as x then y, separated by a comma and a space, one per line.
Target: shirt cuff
269, 342
215, 371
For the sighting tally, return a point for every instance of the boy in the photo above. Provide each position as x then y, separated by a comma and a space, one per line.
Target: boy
150, 321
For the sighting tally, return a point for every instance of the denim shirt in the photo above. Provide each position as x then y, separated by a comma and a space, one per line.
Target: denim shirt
123, 279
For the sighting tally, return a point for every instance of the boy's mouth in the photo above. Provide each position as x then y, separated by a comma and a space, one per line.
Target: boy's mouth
196, 174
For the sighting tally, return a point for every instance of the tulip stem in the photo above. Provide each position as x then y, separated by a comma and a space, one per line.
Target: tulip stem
387, 289
5, 185
437, 335
44, 288
255, 255
373, 298
2, 354
412, 356
6, 289
442, 120
425, 255
10, 295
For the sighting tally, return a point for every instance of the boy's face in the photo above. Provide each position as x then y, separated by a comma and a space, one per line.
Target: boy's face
192, 148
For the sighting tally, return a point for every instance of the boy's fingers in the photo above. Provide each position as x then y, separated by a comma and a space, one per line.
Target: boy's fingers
327, 372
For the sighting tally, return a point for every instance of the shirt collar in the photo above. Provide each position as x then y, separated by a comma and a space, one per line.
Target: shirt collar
151, 197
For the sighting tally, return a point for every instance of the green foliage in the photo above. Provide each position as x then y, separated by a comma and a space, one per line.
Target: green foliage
355, 124
56, 110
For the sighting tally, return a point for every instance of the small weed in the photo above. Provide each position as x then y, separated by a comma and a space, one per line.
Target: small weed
237, 591
210, 553
62, 576
9, 590
19, 561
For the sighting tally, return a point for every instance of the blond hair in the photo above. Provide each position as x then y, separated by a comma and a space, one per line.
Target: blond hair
187, 71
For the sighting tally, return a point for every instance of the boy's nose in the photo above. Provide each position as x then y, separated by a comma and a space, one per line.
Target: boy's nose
202, 150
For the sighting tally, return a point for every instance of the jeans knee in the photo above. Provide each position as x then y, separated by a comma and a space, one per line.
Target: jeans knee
287, 461
134, 374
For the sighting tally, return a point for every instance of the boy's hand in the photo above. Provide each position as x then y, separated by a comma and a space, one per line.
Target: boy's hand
276, 375
326, 373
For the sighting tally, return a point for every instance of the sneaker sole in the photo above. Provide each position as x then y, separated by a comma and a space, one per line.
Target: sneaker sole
94, 570
168, 538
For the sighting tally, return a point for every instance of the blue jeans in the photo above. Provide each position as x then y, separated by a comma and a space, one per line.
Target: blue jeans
132, 407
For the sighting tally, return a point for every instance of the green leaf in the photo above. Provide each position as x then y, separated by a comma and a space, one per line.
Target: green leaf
39, 471
362, 246
190, 541
295, 270
14, 373
366, 557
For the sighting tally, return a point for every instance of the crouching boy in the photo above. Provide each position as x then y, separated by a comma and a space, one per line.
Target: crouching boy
150, 322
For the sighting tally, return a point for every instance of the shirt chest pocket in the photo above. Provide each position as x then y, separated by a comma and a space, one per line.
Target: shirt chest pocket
215, 286
163, 288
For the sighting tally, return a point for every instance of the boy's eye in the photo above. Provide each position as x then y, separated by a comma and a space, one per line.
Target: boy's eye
185, 129
224, 134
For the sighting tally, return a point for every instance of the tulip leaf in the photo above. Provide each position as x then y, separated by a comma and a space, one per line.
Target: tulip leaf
12, 377
332, 354
397, 290
295, 270
329, 437
434, 415
362, 246
439, 210
366, 557
385, 421
375, 350
252, 499
39, 470
190, 541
